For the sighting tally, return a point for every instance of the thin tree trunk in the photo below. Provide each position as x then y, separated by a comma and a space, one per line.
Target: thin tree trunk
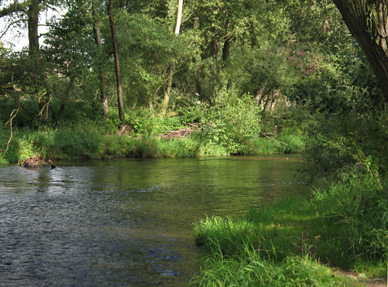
226, 48
260, 91
179, 17
197, 60
172, 67
34, 53
97, 33
168, 90
268, 103
117, 63
214, 53
226, 52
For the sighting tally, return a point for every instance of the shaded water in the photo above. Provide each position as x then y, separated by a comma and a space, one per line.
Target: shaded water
124, 222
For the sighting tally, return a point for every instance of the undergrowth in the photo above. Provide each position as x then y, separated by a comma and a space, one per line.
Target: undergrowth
91, 140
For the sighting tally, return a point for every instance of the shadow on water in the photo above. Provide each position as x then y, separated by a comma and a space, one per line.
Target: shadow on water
124, 222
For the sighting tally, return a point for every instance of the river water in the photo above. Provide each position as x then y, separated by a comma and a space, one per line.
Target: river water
125, 222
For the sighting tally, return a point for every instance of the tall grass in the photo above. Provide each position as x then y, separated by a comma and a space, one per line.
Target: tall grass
344, 225
83, 142
253, 270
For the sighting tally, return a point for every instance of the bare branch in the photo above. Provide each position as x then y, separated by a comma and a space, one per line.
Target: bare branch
9, 26
11, 117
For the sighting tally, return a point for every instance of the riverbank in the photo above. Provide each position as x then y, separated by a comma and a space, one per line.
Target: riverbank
91, 141
298, 241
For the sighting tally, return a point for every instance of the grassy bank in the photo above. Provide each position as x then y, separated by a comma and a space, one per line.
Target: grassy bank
232, 124
296, 241
91, 140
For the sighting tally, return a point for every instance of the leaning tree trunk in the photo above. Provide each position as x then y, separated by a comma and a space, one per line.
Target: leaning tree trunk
117, 63
367, 20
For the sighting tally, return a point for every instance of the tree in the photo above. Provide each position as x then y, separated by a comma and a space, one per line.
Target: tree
117, 63
31, 10
97, 33
172, 67
368, 22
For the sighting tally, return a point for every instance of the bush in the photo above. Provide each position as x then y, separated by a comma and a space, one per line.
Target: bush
233, 123
77, 143
338, 142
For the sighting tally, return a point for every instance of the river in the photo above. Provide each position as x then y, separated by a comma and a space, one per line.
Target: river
125, 222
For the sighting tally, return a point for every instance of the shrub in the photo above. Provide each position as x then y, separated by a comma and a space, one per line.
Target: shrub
232, 123
77, 143
338, 142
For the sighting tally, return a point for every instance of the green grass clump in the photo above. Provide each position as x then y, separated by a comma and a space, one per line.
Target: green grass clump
353, 221
253, 270
344, 225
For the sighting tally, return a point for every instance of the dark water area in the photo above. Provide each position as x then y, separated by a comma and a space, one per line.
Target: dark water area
125, 222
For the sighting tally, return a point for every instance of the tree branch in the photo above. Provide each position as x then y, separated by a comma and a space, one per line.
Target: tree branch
268, 137
9, 26
11, 117
14, 7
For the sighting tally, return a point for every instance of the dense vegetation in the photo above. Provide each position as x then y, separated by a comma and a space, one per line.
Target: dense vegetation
245, 76
236, 77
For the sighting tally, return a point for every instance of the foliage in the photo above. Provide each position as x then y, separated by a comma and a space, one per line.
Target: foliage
343, 224
233, 122
341, 141
148, 49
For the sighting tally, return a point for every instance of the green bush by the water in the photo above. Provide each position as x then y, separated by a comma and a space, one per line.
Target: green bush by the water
344, 225
231, 126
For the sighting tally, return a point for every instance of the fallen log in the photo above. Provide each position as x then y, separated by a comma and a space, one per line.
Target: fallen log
180, 132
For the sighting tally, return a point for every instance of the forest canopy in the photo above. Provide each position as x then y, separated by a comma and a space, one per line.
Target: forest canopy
298, 50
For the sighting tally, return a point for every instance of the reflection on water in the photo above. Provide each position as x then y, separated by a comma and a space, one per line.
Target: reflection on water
124, 222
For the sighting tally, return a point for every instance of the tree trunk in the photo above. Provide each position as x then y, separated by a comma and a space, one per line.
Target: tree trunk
368, 22
168, 90
97, 33
260, 91
214, 54
33, 50
198, 64
226, 52
172, 67
117, 63
226, 48
33, 37
179, 17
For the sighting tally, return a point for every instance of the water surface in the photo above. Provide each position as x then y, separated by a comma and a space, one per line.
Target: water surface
125, 222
